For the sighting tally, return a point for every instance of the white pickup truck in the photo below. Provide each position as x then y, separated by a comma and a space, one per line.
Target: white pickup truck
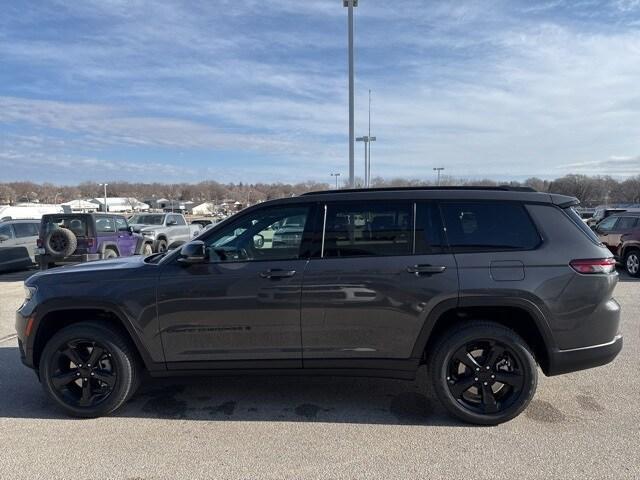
163, 231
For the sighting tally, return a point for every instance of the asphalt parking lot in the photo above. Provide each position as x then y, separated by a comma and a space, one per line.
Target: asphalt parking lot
582, 425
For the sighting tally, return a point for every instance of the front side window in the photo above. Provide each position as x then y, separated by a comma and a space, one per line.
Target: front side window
105, 225
273, 233
489, 226
364, 229
147, 219
26, 229
607, 224
5, 230
121, 224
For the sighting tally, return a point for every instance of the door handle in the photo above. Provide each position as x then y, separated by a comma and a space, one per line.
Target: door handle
277, 273
426, 269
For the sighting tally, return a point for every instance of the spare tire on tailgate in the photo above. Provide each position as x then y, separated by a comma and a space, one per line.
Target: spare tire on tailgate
60, 242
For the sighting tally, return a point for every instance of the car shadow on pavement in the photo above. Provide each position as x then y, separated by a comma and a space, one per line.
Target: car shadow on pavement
625, 277
246, 398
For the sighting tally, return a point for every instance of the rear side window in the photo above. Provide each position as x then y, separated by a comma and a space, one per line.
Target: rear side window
5, 230
26, 229
362, 229
626, 223
489, 226
575, 218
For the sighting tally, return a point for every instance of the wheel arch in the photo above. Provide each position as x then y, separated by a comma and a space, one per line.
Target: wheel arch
519, 315
109, 246
53, 320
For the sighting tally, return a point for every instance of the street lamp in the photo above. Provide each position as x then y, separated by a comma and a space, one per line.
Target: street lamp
335, 175
55, 198
438, 169
105, 195
350, 4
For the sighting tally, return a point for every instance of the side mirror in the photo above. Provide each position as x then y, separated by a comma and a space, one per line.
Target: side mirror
258, 241
130, 230
193, 252
171, 223
4, 238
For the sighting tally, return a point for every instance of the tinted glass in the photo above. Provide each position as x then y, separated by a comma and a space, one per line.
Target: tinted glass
626, 223
146, 219
360, 229
267, 234
6, 230
26, 229
77, 224
121, 224
489, 226
105, 225
575, 218
429, 238
607, 224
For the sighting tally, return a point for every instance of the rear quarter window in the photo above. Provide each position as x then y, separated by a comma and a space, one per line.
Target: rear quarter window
575, 218
489, 226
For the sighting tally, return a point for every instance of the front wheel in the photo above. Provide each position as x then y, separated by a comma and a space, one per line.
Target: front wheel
632, 263
162, 246
483, 373
89, 369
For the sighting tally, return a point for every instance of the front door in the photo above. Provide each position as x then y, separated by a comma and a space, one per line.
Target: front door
368, 292
127, 242
241, 309
606, 232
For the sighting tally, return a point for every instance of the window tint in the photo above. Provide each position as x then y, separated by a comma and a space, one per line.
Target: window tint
105, 225
489, 226
575, 218
429, 238
267, 234
121, 224
626, 223
26, 229
358, 229
6, 230
177, 219
77, 224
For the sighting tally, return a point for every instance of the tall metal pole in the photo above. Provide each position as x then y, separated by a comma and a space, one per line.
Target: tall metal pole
105, 195
438, 169
350, 5
368, 174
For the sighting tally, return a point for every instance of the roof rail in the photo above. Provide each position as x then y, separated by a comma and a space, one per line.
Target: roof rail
502, 188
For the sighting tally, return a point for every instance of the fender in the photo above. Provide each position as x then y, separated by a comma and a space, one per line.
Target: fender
109, 244
136, 335
484, 301
626, 246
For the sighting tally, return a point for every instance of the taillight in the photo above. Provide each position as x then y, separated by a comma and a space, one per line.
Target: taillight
594, 265
39, 243
90, 242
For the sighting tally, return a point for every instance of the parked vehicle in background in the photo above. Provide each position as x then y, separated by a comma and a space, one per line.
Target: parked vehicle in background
603, 212
163, 231
84, 237
203, 223
481, 285
18, 240
611, 229
629, 251
31, 211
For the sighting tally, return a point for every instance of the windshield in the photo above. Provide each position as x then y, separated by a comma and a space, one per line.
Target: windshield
147, 219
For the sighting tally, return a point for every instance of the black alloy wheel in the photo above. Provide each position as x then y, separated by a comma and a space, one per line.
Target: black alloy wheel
84, 373
89, 368
485, 376
483, 372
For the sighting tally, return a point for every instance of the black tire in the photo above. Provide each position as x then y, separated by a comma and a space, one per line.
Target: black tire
463, 388
162, 246
632, 263
117, 364
60, 242
109, 253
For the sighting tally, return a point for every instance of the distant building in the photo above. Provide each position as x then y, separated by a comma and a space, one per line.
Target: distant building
80, 206
121, 204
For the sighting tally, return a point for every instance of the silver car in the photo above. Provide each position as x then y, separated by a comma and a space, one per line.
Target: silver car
18, 240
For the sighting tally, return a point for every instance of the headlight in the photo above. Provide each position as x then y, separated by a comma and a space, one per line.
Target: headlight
29, 292
150, 234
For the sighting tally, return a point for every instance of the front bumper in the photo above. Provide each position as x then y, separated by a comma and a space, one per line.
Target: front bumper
25, 336
565, 361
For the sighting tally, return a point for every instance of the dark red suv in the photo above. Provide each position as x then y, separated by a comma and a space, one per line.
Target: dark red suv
629, 251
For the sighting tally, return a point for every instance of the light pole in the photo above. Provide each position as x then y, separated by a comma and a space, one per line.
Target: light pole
105, 196
350, 4
438, 169
335, 175
366, 139
55, 198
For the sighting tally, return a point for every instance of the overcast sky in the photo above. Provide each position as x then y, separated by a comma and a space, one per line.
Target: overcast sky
256, 90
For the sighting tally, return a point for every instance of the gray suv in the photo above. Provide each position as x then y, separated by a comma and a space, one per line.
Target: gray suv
482, 285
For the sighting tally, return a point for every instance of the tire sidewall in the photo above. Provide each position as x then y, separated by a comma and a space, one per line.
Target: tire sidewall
109, 253
125, 378
626, 259
72, 242
161, 244
524, 358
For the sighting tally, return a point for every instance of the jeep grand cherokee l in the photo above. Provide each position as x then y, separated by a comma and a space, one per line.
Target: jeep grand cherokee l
481, 285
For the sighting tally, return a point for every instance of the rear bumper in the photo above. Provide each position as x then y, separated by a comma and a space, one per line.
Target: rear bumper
565, 361
45, 260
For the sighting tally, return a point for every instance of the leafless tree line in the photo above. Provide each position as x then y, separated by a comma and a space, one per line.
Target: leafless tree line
591, 190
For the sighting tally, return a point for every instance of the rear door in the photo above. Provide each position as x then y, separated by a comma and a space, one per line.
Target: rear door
625, 224
27, 235
372, 283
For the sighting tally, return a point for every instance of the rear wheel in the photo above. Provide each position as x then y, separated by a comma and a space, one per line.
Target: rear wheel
89, 369
162, 246
483, 373
147, 249
632, 263
109, 253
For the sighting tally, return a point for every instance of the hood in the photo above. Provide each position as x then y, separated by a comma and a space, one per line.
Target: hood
115, 265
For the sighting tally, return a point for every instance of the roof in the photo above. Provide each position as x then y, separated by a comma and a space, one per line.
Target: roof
504, 188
